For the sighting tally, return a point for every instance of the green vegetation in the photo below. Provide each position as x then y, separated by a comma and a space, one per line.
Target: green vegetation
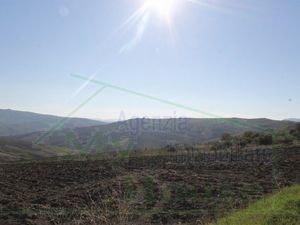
288, 135
285, 135
150, 191
135, 135
282, 208
71, 140
129, 187
12, 150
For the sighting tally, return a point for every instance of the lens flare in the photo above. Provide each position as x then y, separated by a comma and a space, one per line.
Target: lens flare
165, 10
162, 7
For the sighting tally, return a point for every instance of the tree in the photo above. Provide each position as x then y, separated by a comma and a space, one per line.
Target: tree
295, 131
298, 130
227, 139
265, 139
248, 137
283, 137
298, 127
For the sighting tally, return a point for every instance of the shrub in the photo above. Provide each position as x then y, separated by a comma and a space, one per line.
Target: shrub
283, 138
250, 137
226, 139
265, 139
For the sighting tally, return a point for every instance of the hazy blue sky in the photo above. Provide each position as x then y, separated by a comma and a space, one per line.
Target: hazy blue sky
232, 58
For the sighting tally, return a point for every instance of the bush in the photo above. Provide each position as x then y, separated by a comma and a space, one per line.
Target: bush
297, 133
265, 139
250, 137
226, 139
283, 138
298, 127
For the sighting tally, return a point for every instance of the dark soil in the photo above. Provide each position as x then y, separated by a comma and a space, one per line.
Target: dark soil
142, 190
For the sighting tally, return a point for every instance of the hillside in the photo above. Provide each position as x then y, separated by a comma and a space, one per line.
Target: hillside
171, 189
15, 150
293, 119
18, 122
281, 208
138, 134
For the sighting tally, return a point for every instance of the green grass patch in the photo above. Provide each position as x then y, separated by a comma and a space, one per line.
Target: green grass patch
282, 208
129, 187
150, 191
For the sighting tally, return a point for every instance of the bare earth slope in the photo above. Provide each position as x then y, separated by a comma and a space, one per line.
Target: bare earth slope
142, 190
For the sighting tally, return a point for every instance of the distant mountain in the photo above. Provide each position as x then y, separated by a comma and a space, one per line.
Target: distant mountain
15, 150
18, 122
150, 133
293, 120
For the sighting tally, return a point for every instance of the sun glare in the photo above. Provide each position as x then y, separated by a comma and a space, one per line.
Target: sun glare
164, 10
162, 7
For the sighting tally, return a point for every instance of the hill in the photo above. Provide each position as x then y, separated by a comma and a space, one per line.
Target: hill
138, 134
16, 150
280, 208
293, 120
18, 122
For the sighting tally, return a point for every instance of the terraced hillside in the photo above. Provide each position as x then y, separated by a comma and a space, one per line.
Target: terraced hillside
142, 190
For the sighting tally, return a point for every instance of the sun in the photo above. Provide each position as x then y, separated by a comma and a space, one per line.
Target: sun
162, 7
164, 10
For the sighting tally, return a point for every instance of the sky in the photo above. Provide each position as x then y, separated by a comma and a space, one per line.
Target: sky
205, 58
